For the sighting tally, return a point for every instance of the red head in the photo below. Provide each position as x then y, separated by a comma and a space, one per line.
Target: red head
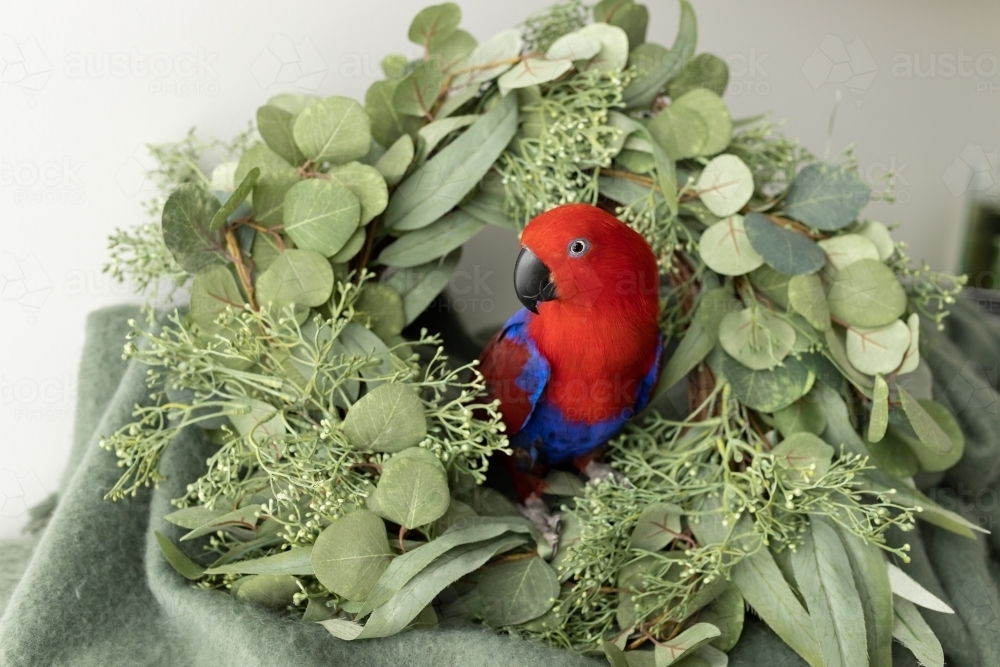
579, 260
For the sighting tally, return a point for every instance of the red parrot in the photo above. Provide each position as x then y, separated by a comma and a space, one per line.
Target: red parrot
583, 355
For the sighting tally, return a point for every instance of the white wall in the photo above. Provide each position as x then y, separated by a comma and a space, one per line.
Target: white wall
71, 141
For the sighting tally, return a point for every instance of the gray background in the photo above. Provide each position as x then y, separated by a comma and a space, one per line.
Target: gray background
72, 132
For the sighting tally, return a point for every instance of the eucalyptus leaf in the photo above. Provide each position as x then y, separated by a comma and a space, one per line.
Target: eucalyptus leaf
214, 290
823, 572
383, 307
714, 114
926, 428
395, 161
359, 341
234, 201
366, 184
726, 612
434, 23
911, 360
293, 103
693, 348
681, 132
413, 489
390, 418
407, 566
725, 185
826, 197
911, 630
656, 527
879, 419
418, 592
193, 517
178, 560
687, 642
187, 217
261, 157
437, 239
880, 237
433, 133
294, 561
768, 390
785, 250
726, 249
490, 59
269, 197
703, 71
244, 517
532, 71
578, 45
420, 285
334, 130
351, 554
517, 591
387, 124
805, 456
881, 350
613, 45
657, 65
931, 460
630, 16
300, 277
321, 215
268, 590
351, 248
453, 49
803, 416
755, 338
871, 579
907, 588
275, 127
866, 294
417, 91
434, 188
807, 297
256, 418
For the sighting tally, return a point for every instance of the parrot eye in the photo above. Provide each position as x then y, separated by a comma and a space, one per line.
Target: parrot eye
578, 247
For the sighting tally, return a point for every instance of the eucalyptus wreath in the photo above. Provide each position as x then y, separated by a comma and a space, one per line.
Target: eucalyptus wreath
346, 480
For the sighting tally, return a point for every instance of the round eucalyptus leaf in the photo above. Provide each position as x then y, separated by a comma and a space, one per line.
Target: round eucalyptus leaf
384, 307
351, 554
755, 338
866, 294
911, 360
416, 93
715, 115
301, 277
879, 235
771, 284
262, 157
880, 350
727, 613
656, 527
878, 421
826, 197
335, 130
275, 127
768, 390
395, 161
726, 249
578, 45
928, 430
703, 71
893, 453
613, 52
713, 306
933, 461
434, 23
213, 290
631, 17
805, 415
451, 51
786, 251
490, 59
269, 197
256, 418
681, 132
805, 454
268, 590
187, 216
532, 71
293, 103
437, 239
366, 184
808, 298
725, 185
387, 124
846, 249
413, 489
388, 419
321, 215
264, 251
517, 591
351, 248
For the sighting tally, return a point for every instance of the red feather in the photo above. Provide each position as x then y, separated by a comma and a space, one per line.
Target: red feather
501, 363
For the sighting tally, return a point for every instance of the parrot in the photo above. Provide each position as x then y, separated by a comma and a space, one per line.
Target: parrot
584, 353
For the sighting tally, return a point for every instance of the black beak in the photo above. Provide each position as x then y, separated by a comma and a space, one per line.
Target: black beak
532, 280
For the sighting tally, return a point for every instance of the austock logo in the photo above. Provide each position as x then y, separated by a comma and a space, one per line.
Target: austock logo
23, 64
839, 62
23, 281
284, 61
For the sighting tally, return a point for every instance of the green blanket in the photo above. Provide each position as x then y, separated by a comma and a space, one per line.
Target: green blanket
95, 590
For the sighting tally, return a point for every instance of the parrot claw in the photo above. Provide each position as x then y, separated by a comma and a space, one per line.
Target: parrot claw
597, 471
537, 512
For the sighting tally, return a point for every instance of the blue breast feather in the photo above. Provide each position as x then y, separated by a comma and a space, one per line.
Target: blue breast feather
546, 432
